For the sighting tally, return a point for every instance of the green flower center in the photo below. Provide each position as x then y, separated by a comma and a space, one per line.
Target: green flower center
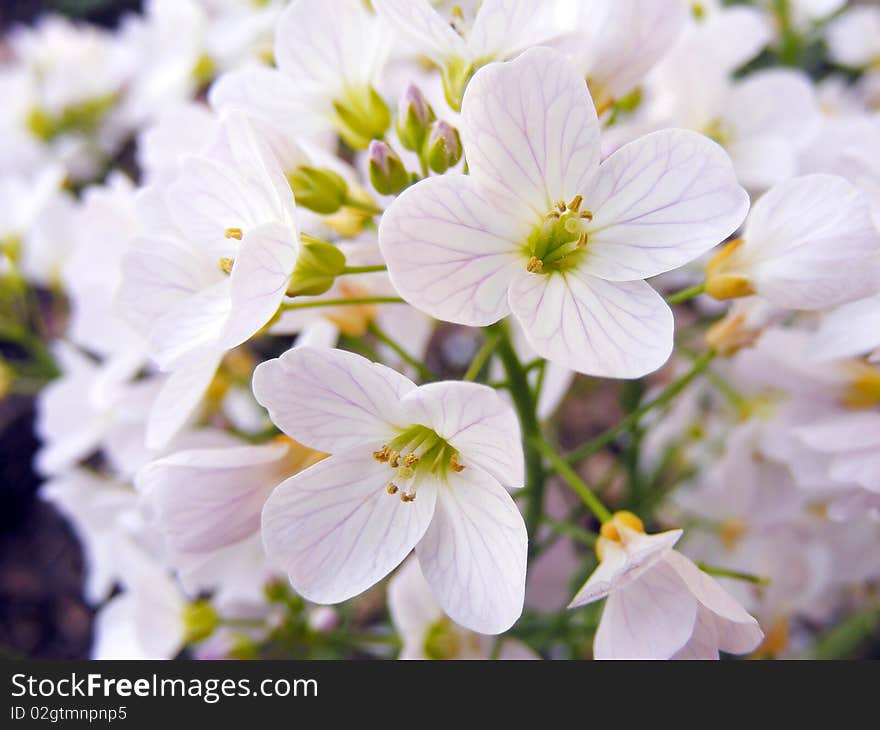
416, 453
559, 242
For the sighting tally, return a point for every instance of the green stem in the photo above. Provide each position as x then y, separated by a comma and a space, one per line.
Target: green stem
844, 640
379, 334
483, 354
673, 390
735, 574
342, 302
578, 533
593, 503
363, 269
524, 402
686, 294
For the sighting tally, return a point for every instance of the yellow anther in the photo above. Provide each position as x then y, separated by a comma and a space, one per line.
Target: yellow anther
405, 472
226, 265
552, 215
535, 265
411, 459
394, 459
582, 241
575, 203
454, 465
391, 488
560, 204
407, 496
586, 214
382, 454
233, 233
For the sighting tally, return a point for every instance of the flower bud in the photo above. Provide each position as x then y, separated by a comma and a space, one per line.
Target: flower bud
387, 172
444, 146
318, 189
362, 116
414, 116
317, 266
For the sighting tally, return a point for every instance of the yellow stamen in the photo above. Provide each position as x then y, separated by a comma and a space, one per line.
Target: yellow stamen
454, 465
226, 265
235, 233
391, 488
575, 203
535, 265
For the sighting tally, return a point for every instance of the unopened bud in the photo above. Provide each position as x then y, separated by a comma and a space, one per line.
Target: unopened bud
318, 189
361, 116
317, 266
199, 621
414, 117
323, 619
387, 172
444, 146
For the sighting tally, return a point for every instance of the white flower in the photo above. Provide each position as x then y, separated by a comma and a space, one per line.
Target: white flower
410, 467
206, 499
809, 243
494, 30
854, 37
618, 41
213, 268
762, 120
541, 229
328, 56
427, 633
660, 605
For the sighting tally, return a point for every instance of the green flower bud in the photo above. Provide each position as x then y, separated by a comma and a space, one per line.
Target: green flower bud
444, 146
414, 116
317, 266
387, 172
318, 189
199, 621
362, 115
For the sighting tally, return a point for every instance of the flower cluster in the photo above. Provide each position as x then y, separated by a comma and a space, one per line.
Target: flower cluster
331, 282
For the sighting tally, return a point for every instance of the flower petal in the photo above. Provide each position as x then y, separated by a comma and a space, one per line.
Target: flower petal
268, 94
597, 327
529, 130
330, 399
474, 553
325, 48
619, 567
206, 499
259, 280
420, 23
738, 631
476, 421
503, 28
650, 618
336, 531
810, 243
181, 394
660, 202
448, 252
